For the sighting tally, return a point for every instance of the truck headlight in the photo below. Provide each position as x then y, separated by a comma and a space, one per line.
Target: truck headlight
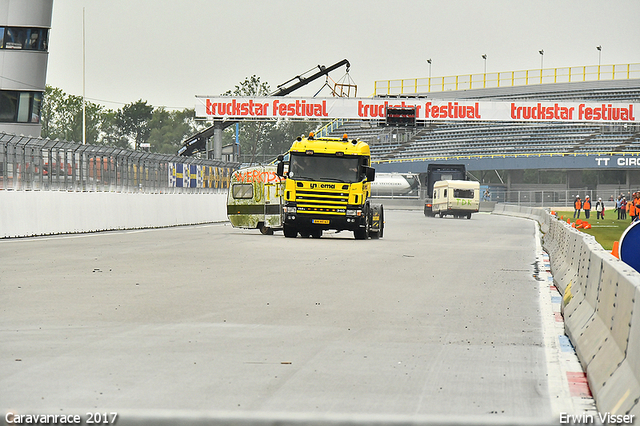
353, 212
290, 210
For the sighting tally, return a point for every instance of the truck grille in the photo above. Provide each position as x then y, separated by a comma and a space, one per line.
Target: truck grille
321, 202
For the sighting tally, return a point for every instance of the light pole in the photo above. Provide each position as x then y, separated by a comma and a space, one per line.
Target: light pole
429, 62
429, 81
541, 51
84, 99
599, 56
484, 80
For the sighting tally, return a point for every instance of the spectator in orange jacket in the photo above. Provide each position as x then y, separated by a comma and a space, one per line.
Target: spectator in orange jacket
577, 205
586, 206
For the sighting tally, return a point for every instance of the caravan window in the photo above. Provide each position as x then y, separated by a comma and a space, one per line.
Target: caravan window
242, 190
463, 193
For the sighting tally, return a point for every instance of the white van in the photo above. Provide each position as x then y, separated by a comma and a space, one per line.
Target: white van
255, 199
456, 197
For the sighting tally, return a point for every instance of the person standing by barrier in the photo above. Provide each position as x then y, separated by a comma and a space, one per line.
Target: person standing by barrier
599, 209
586, 206
631, 208
619, 206
623, 207
636, 203
577, 205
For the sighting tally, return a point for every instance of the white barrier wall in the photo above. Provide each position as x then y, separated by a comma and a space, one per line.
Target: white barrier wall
27, 213
601, 296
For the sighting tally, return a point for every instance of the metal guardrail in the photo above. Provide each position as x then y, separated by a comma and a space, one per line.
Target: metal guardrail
507, 79
559, 198
330, 127
36, 164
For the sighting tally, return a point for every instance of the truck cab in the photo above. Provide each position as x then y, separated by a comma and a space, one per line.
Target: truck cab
328, 186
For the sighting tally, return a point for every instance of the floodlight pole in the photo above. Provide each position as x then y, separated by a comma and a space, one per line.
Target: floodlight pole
484, 83
84, 102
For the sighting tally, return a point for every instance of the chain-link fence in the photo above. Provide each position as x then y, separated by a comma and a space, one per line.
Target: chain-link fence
28, 163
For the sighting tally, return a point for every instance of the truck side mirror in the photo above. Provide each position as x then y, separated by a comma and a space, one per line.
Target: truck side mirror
280, 169
370, 173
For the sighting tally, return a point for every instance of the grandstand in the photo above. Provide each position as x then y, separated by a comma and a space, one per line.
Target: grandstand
491, 146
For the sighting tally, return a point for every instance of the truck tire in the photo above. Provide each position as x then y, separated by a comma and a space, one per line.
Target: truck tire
265, 230
290, 231
316, 233
375, 234
360, 234
363, 233
468, 215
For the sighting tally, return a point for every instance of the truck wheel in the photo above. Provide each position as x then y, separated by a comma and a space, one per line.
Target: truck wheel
265, 230
317, 233
360, 234
290, 231
380, 232
468, 215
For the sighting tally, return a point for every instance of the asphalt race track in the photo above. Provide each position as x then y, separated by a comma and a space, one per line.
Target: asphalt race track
439, 317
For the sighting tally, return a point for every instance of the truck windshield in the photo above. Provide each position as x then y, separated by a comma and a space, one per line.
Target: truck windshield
326, 168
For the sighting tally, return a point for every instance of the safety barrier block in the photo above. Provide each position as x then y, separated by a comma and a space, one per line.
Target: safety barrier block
558, 250
551, 236
568, 271
581, 307
620, 394
597, 330
600, 350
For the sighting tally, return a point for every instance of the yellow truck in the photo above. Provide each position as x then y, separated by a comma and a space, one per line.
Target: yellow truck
458, 198
255, 199
328, 186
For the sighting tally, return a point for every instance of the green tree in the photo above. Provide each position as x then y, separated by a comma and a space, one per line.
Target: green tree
133, 121
169, 128
62, 117
112, 133
252, 135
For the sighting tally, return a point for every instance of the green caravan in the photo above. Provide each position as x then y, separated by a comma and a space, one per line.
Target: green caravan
255, 198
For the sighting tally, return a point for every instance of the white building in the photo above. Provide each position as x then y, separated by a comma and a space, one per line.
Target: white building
24, 51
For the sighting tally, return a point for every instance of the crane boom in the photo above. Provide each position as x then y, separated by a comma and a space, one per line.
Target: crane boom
198, 142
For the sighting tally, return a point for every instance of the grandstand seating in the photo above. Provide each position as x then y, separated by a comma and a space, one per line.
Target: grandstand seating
451, 139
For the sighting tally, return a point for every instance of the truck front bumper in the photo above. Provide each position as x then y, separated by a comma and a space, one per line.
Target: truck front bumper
337, 222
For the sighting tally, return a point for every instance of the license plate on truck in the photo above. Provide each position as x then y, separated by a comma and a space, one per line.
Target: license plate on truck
320, 221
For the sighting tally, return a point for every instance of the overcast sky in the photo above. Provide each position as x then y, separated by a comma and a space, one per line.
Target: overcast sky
168, 51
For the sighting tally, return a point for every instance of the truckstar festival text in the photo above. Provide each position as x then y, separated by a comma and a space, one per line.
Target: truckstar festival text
425, 109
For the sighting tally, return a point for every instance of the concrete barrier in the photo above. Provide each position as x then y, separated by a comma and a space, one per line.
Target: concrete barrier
601, 296
29, 213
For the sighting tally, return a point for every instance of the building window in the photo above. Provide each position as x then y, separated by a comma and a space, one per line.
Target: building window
20, 107
24, 38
